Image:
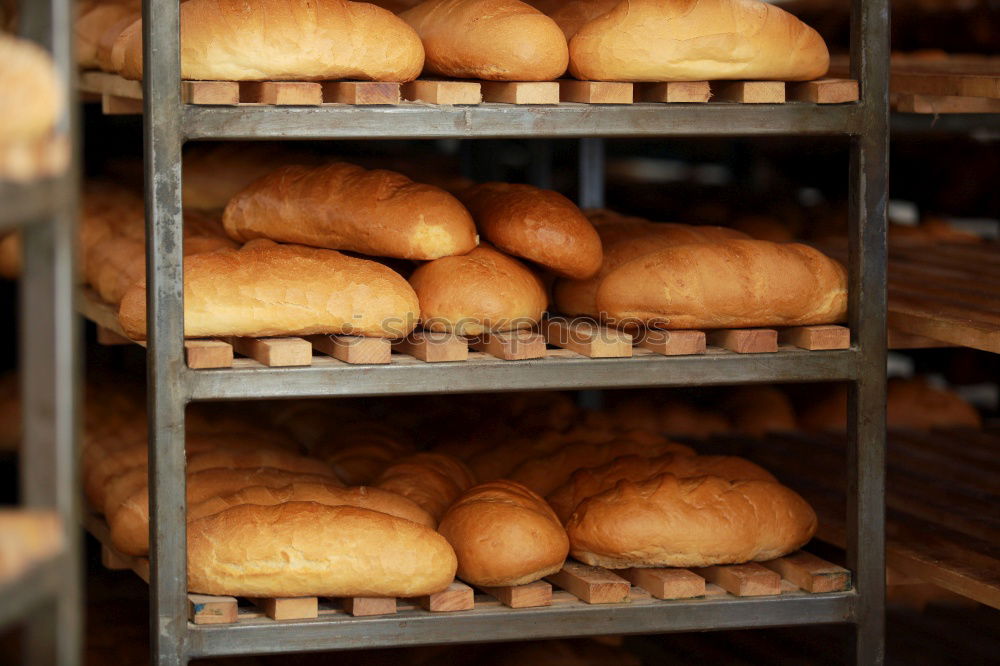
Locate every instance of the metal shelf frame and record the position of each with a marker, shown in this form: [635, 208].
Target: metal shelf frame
[168, 123]
[48, 598]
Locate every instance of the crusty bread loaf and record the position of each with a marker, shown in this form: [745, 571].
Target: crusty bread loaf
[666, 521]
[591, 481]
[696, 40]
[545, 474]
[432, 480]
[109, 37]
[300, 549]
[90, 26]
[571, 15]
[10, 255]
[495, 40]
[249, 40]
[362, 497]
[504, 534]
[539, 225]
[362, 463]
[675, 418]
[735, 283]
[624, 241]
[345, 207]
[266, 289]
[758, 410]
[32, 98]
[482, 291]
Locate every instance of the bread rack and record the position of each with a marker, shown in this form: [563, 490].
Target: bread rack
[169, 122]
[46, 597]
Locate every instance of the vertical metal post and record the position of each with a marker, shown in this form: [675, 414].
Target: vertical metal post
[162, 143]
[591, 173]
[866, 405]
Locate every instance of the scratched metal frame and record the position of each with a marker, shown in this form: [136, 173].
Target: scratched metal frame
[168, 123]
[48, 597]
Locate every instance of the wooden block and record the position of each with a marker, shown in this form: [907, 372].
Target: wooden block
[745, 340]
[521, 92]
[361, 92]
[713, 591]
[282, 93]
[945, 104]
[275, 352]
[113, 560]
[674, 92]
[457, 597]
[593, 585]
[817, 337]
[434, 346]
[950, 84]
[201, 354]
[288, 608]
[666, 583]
[353, 348]
[743, 580]
[365, 606]
[538, 593]
[512, 346]
[823, 91]
[811, 573]
[107, 337]
[210, 92]
[206, 609]
[443, 92]
[112, 105]
[672, 343]
[749, 92]
[595, 92]
[587, 337]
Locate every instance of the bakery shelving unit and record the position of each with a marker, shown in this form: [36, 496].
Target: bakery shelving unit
[46, 597]
[169, 122]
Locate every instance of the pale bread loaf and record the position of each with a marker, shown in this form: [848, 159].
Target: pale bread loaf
[504, 534]
[109, 37]
[32, 98]
[302, 549]
[90, 26]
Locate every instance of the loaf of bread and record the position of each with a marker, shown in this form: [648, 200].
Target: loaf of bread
[571, 15]
[591, 481]
[10, 255]
[27, 537]
[432, 480]
[735, 283]
[758, 410]
[539, 225]
[249, 40]
[667, 521]
[109, 37]
[495, 40]
[266, 289]
[504, 534]
[32, 98]
[697, 40]
[303, 549]
[90, 26]
[482, 291]
[624, 241]
[344, 207]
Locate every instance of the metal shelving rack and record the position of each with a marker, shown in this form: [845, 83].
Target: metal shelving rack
[47, 598]
[169, 123]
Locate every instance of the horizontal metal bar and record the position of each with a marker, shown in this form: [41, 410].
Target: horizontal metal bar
[329, 377]
[342, 632]
[410, 120]
[35, 201]
[26, 592]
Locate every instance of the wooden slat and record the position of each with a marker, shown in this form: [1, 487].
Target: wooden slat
[201, 354]
[109, 338]
[749, 92]
[666, 583]
[510, 346]
[949, 84]
[823, 91]
[672, 343]
[281, 93]
[673, 92]
[743, 580]
[111, 84]
[531, 595]
[362, 93]
[521, 92]
[112, 105]
[745, 340]
[206, 609]
[434, 346]
[275, 352]
[367, 606]
[593, 585]
[957, 329]
[816, 337]
[457, 597]
[587, 338]
[811, 573]
[945, 104]
[225, 93]
[288, 608]
[443, 92]
[353, 349]
[902, 340]
[595, 92]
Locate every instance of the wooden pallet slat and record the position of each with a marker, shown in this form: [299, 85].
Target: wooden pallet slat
[810, 573]
[749, 92]
[816, 338]
[443, 92]
[952, 84]
[275, 352]
[593, 585]
[510, 346]
[530, 595]
[362, 93]
[207, 609]
[113, 105]
[664, 583]
[433, 346]
[595, 92]
[743, 580]
[521, 92]
[456, 597]
[203, 354]
[220, 93]
[368, 606]
[745, 340]
[674, 92]
[281, 93]
[288, 608]
[354, 349]
[587, 338]
[944, 104]
[823, 91]
[673, 343]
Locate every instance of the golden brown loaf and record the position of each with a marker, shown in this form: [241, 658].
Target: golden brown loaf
[482, 291]
[109, 37]
[666, 521]
[266, 289]
[504, 534]
[432, 480]
[496, 40]
[91, 25]
[736, 283]
[344, 207]
[594, 480]
[758, 410]
[571, 15]
[31, 100]
[540, 225]
[301, 549]
[249, 40]
[697, 40]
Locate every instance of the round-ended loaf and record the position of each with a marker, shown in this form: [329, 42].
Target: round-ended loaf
[265, 289]
[345, 207]
[734, 283]
[539, 225]
[504, 534]
[482, 291]
[284, 40]
[697, 40]
[668, 521]
[494, 40]
[432, 480]
[304, 549]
